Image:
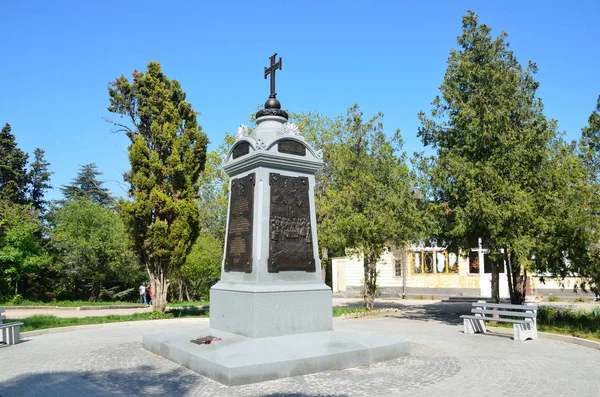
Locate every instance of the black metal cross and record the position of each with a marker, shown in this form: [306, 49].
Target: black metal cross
[271, 71]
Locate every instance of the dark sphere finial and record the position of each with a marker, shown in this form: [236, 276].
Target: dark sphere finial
[272, 103]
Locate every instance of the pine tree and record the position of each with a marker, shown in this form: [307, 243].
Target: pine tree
[86, 185]
[13, 173]
[39, 177]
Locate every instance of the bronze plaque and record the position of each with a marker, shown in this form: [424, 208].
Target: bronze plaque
[290, 237]
[238, 253]
[241, 149]
[291, 147]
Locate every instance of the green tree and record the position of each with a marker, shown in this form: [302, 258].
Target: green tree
[370, 203]
[323, 133]
[590, 144]
[20, 249]
[492, 145]
[92, 248]
[167, 155]
[13, 172]
[86, 185]
[589, 151]
[202, 267]
[39, 177]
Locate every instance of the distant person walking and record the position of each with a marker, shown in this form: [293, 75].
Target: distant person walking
[143, 293]
[149, 289]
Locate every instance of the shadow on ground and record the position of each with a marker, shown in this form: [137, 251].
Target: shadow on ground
[443, 312]
[142, 380]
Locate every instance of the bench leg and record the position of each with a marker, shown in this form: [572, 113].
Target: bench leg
[16, 334]
[474, 326]
[522, 332]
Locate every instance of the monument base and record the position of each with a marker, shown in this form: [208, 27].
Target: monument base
[237, 360]
[260, 311]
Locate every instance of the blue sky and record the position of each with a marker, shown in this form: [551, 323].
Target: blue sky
[59, 56]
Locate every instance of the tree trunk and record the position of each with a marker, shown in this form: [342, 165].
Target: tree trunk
[160, 287]
[495, 282]
[370, 273]
[187, 294]
[326, 267]
[180, 298]
[519, 285]
[516, 283]
[509, 275]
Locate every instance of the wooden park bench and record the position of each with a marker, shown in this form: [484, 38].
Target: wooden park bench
[10, 333]
[522, 317]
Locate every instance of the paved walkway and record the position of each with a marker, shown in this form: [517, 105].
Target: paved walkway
[444, 362]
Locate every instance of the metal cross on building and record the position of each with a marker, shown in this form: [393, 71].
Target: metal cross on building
[271, 71]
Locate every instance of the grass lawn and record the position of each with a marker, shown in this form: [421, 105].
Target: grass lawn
[26, 302]
[44, 321]
[184, 304]
[578, 323]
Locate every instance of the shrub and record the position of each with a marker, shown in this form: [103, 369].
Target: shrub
[157, 315]
[65, 295]
[553, 298]
[579, 299]
[17, 299]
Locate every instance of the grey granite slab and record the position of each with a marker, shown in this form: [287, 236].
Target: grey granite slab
[238, 360]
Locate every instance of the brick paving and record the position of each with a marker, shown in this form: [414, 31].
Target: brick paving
[444, 362]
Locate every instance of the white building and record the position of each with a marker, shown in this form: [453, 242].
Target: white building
[429, 269]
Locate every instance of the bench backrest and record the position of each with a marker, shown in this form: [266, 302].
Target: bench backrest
[527, 312]
[486, 305]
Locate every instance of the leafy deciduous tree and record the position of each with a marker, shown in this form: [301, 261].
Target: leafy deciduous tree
[370, 202]
[20, 249]
[92, 247]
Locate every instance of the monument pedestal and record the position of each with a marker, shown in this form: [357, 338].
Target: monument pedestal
[260, 311]
[238, 360]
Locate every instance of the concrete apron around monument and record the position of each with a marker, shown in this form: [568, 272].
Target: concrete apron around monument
[271, 308]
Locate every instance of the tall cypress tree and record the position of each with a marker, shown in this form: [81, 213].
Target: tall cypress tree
[13, 172]
[167, 155]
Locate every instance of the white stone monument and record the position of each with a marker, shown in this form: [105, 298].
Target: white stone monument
[271, 311]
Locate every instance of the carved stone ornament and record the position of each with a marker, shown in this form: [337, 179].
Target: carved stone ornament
[319, 153]
[290, 128]
[260, 144]
[242, 131]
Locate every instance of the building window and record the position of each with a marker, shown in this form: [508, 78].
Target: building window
[474, 262]
[398, 267]
[428, 261]
[440, 262]
[434, 262]
[452, 263]
[416, 263]
[487, 264]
